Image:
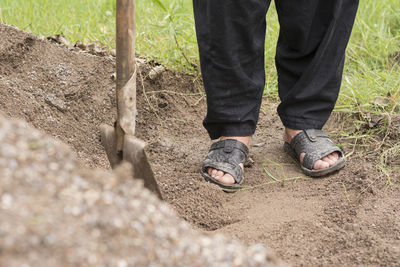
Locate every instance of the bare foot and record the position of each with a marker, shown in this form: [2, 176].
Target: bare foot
[323, 163]
[219, 175]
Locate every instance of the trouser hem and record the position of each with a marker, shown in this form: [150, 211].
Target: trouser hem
[297, 123]
[218, 131]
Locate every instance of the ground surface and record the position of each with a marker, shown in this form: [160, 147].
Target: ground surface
[350, 218]
[54, 212]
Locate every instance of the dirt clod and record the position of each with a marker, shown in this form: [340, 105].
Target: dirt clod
[156, 72]
[54, 101]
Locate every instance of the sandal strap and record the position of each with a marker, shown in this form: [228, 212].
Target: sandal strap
[316, 144]
[228, 145]
[226, 155]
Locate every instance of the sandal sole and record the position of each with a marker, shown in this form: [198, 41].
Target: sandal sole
[226, 188]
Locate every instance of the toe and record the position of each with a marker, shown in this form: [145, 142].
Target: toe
[332, 157]
[320, 164]
[323, 163]
[335, 155]
[219, 174]
[328, 160]
[226, 179]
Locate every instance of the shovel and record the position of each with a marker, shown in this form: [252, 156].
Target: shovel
[119, 141]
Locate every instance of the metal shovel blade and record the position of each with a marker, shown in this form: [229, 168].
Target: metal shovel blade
[133, 152]
[109, 142]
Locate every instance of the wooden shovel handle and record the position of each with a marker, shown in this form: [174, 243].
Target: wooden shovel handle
[126, 69]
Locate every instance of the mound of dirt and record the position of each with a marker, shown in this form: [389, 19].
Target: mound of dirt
[54, 213]
[350, 218]
[63, 93]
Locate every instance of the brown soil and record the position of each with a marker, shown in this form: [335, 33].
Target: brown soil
[349, 218]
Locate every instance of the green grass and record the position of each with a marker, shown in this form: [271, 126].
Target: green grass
[78, 20]
[370, 74]
[165, 33]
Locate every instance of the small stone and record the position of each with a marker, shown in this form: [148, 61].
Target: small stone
[140, 61]
[59, 39]
[249, 163]
[6, 201]
[80, 45]
[258, 145]
[96, 49]
[56, 102]
[156, 72]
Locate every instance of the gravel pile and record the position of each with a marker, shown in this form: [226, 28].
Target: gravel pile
[55, 213]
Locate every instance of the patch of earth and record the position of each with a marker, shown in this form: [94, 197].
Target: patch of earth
[56, 213]
[349, 218]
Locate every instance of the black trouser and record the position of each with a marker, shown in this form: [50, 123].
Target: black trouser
[309, 60]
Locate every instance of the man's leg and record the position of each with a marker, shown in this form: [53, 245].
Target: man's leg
[309, 59]
[231, 36]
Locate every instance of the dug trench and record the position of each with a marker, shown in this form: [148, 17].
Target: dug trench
[349, 218]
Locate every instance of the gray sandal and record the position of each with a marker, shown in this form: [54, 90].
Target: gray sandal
[316, 144]
[226, 155]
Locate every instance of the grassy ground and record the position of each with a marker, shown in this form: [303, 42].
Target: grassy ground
[165, 32]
